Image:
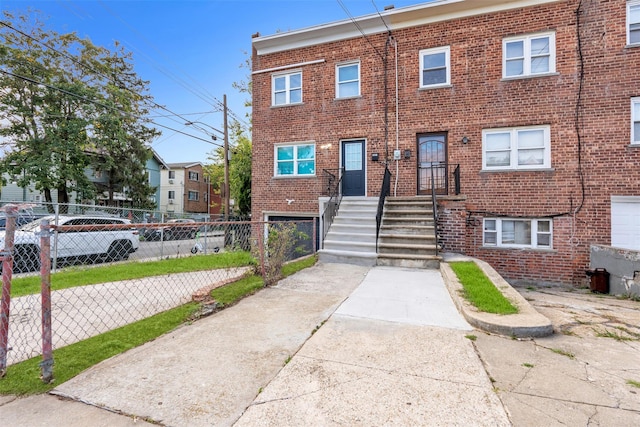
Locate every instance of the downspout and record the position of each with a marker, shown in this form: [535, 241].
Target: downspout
[395, 188]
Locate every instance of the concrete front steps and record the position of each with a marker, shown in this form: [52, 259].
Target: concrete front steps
[408, 234]
[352, 236]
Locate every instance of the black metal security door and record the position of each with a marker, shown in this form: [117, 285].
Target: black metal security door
[432, 154]
[353, 178]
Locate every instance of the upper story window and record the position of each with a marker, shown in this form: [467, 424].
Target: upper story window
[348, 80]
[295, 160]
[635, 120]
[286, 88]
[193, 196]
[633, 22]
[518, 233]
[435, 67]
[171, 194]
[172, 174]
[193, 176]
[529, 55]
[516, 148]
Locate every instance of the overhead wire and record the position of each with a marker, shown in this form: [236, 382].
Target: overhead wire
[83, 98]
[205, 95]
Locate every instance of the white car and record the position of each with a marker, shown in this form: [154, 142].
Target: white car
[94, 241]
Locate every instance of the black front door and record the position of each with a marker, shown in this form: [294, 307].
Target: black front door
[353, 178]
[432, 162]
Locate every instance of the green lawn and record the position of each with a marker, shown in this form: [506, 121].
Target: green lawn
[480, 291]
[85, 275]
[24, 378]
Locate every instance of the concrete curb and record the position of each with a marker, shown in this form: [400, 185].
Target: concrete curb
[527, 323]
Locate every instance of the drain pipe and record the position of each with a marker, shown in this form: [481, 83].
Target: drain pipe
[395, 188]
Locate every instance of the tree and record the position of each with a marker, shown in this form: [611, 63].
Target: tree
[239, 169]
[68, 105]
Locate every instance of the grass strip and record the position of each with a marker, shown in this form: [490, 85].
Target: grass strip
[82, 276]
[229, 294]
[24, 378]
[480, 291]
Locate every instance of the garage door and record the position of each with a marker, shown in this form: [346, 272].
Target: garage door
[625, 222]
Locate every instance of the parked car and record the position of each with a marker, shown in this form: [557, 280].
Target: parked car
[181, 228]
[95, 241]
[21, 219]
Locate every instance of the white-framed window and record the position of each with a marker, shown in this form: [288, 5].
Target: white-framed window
[193, 196]
[348, 80]
[635, 120]
[286, 88]
[171, 194]
[295, 159]
[529, 55]
[518, 233]
[193, 176]
[435, 69]
[633, 22]
[172, 174]
[516, 148]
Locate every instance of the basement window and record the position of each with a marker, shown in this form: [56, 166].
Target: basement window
[517, 233]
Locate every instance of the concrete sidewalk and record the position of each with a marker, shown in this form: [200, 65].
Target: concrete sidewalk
[297, 353]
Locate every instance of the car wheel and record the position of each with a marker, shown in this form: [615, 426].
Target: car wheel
[167, 235]
[192, 234]
[26, 258]
[119, 250]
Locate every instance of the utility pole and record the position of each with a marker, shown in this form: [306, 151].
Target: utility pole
[226, 161]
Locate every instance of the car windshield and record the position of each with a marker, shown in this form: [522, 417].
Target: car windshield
[34, 225]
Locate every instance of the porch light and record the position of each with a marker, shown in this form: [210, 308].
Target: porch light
[465, 140]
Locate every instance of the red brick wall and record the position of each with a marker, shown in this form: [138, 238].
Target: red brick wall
[477, 99]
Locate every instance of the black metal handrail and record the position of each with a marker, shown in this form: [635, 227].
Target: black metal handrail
[456, 178]
[385, 190]
[332, 188]
[434, 208]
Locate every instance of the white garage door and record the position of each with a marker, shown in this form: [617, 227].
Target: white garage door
[625, 222]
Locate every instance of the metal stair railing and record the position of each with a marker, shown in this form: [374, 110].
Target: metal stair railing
[332, 186]
[434, 208]
[385, 190]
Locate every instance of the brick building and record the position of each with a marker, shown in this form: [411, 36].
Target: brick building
[528, 112]
[186, 190]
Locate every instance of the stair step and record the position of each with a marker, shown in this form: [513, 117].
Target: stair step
[347, 257]
[335, 236]
[410, 261]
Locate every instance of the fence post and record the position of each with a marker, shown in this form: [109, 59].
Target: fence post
[7, 271]
[45, 275]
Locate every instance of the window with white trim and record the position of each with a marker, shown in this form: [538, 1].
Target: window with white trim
[172, 174]
[348, 80]
[518, 233]
[529, 55]
[635, 120]
[435, 67]
[193, 196]
[516, 148]
[193, 176]
[633, 22]
[286, 88]
[171, 194]
[295, 160]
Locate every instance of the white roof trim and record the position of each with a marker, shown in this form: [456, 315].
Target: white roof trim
[285, 67]
[405, 17]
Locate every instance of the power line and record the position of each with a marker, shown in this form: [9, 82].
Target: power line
[92, 101]
[154, 104]
[344, 7]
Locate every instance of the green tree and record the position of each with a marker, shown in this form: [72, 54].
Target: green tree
[239, 169]
[68, 106]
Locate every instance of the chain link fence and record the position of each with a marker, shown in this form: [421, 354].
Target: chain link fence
[108, 271]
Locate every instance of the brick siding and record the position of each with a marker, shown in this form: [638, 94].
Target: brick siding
[477, 99]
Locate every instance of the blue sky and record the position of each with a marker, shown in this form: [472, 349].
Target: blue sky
[191, 51]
